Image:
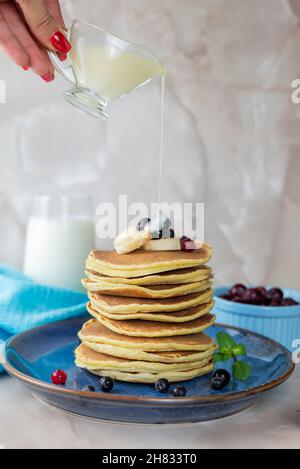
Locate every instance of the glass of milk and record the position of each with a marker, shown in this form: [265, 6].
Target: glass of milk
[60, 234]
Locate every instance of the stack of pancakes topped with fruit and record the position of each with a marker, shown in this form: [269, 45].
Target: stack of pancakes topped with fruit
[149, 309]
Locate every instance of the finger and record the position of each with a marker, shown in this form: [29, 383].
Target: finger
[10, 43]
[43, 26]
[37, 59]
[55, 10]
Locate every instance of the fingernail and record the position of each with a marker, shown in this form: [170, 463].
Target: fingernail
[26, 68]
[62, 56]
[60, 42]
[48, 77]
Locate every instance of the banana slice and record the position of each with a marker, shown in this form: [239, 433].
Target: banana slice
[131, 239]
[170, 244]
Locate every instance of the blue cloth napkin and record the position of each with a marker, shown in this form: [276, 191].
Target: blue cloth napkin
[25, 304]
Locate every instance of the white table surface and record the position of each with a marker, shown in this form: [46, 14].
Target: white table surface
[26, 422]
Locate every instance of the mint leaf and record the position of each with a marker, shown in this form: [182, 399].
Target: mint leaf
[225, 352]
[239, 350]
[241, 370]
[219, 357]
[225, 340]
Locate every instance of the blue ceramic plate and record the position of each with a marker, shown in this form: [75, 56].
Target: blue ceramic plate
[33, 355]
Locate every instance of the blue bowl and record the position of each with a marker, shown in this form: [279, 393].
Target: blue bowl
[280, 323]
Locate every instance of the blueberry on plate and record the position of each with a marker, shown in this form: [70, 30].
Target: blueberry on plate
[162, 385]
[217, 384]
[220, 379]
[106, 384]
[179, 391]
[224, 375]
[142, 223]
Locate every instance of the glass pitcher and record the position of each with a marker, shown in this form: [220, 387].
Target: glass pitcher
[103, 67]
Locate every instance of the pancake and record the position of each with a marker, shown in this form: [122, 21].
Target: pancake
[150, 291]
[162, 357]
[140, 263]
[96, 332]
[183, 315]
[122, 304]
[88, 358]
[171, 376]
[139, 328]
[191, 274]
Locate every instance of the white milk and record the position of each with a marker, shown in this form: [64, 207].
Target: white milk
[56, 250]
[111, 71]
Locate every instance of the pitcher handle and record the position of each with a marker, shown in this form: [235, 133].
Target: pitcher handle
[64, 68]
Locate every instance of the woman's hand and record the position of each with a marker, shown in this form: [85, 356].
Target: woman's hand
[27, 28]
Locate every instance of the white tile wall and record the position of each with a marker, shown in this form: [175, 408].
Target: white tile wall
[232, 133]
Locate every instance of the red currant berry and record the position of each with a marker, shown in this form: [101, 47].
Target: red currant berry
[59, 377]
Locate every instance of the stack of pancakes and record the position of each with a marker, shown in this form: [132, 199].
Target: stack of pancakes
[149, 311]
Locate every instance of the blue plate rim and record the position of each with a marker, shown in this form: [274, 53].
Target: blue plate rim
[257, 390]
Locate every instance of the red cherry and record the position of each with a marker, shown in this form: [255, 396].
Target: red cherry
[237, 290]
[226, 297]
[275, 303]
[59, 377]
[252, 296]
[288, 302]
[275, 294]
[262, 290]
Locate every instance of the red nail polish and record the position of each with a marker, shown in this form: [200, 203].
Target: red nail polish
[48, 77]
[26, 68]
[60, 42]
[62, 56]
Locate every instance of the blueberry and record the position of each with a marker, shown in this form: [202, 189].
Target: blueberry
[162, 385]
[89, 388]
[179, 391]
[165, 233]
[224, 375]
[166, 223]
[157, 234]
[142, 223]
[160, 222]
[106, 384]
[217, 383]
[168, 233]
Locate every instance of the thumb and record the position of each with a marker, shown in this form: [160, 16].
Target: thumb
[43, 26]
